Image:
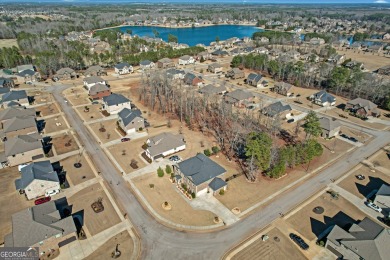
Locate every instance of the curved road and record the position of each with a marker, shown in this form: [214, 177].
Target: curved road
[160, 242]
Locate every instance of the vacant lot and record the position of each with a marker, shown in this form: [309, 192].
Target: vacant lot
[362, 188]
[64, 143]
[127, 151]
[41, 98]
[77, 175]
[92, 114]
[126, 246]
[164, 190]
[336, 212]
[55, 124]
[10, 200]
[79, 99]
[8, 43]
[105, 130]
[371, 61]
[94, 222]
[273, 249]
[47, 110]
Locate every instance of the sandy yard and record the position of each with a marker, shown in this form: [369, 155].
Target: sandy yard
[381, 160]
[109, 133]
[164, 190]
[371, 61]
[42, 98]
[363, 188]
[127, 151]
[10, 200]
[64, 143]
[94, 222]
[126, 246]
[79, 99]
[271, 249]
[47, 110]
[310, 225]
[74, 175]
[93, 113]
[55, 124]
[8, 43]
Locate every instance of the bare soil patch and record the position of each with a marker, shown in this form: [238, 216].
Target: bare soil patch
[47, 110]
[55, 124]
[79, 99]
[77, 175]
[127, 151]
[64, 143]
[92, 114]
[109, 134]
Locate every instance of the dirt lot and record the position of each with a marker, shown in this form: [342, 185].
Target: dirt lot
[64, 143]
[362, 188]
[110, 132]
[75, 175]
[79, 99]
[371, 61]
[163, 191]
[8, 43]
[340, 212]
[10, 200]
[55, 124]
[41, 97]
[47, 110]
[93, 114]
[94, 222]
[132, 149]
[271, 249]
[126, 247]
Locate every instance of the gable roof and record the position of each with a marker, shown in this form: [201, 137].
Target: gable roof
[384, 190]
[165, 60]
[115, 99]
[128, 115]
[93, 69]
[254, 77]
[367, 104]
[329, 124]
[36, 171]
[93, 79]
[283, 86]
[239, 95]
[164, 142]
[22, 143]
[145, 62]
[25, 73]
[21, 68]
[276, 108]
[185, 57]
[217, 183]
[200, 169]
[11, 112]
[122, 65]
[211, 89]
[14, 95]
[324, 96]
[215, 65]
[64, 71]
[18, 123]
[98, 88]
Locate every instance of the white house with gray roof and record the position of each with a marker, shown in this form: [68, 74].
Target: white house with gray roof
[130, 120]
[14, 98]
[38, 179]
[114, 103]
[277, 109]
[23, 149]
[146, 64]
[93, 80]
[123, 68]
[186, 60]
[164, 144]
[200, 174]
[323, 98]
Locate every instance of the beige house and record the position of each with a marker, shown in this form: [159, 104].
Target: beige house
[164, 144]
[215, 68]
[19, 126]
[64, 74]
[23, 149]
[330, 128]
[283, 88]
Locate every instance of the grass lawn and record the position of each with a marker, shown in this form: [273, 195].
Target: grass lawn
[336, 212]
[64, 143]
[126, 246]
[55, 124]
[271, 249]
[10, 200]
[127, 151]
[372, 61]
[94, 222]
[47, 110]
[164, 190]
[109, 134]
[75, 175]
[93, 114]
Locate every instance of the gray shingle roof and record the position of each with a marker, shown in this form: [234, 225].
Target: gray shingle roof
[145, 63]
[18, 123]
[276, 108]
[93, 70]
[25, 73]
[324, 96]
[21, 68]
[363, 103]
[239, 95]
[22, 143]
[329, 124]
[36, 171]
[384, 190]
[115, 99]
[98, 88]
[217, 183]
[165, 60]
[64, 71]
[254, 77]
[122, 65]
[14, 95]
[128, 115]
[12, 112]
[200, 169]
[211, 89]
[164, 142]
[93, 79]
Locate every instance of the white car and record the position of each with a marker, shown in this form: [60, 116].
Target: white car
[50, 193]
[374, 207]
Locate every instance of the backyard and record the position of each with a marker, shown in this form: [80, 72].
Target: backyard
[92, 113]
[47, 109]
[64, 143]
[125, 152]
[77, 175]
[55, 124]
[106, 130]
[79, 99]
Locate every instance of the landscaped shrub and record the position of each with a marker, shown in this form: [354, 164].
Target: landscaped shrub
[160, 172]
[207, 152]
[184, 186]
[215, 149]
[221, 192]
[151, 185]
[168, 169]
[193, 195]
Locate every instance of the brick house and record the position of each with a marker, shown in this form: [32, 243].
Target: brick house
[98, 91]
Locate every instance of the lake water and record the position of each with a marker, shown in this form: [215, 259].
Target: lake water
[193, 36]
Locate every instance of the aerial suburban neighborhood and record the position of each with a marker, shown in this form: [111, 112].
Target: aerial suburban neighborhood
[195, 130]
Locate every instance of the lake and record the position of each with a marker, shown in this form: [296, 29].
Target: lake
[193, 36]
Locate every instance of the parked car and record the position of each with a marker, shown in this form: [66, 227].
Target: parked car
[344, 136]
[353, 139]
[385, 221]
[290, 120]
[42, 200]
[374, 207]
[51, 193]
[174, 158]
[300, 242]
[360, 177]
[125, 139]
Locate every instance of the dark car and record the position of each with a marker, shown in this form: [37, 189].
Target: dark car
[385, 221]
[360, 177]
[344, 136]
[290, 120]
[299, 241]
[353, 139]
[42, 200]
[125, 139]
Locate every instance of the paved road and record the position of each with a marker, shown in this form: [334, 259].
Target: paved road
[160, 242]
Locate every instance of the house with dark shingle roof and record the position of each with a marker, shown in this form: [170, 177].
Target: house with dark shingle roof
[363, 107]
[164, 144]
[28, 76]
[238, 97]
[130, 120]
[382, 198]
[277, 109]
[14, 98]
[283, 88]
[95, 71]
[330, 127]
[23, 149]
[256, 80]
[123, 68]
[114, 103]
[19, 125]
[323, 98]
[192, 80]
[146, 64]
[6, 83]
[212, 90]
[38, 179]
[41, 226]
[12, 112]
[198, 173]
[366, 240]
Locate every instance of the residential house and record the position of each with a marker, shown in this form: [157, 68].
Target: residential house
[277, 109]
[64, 74]
[14, 98]
[363, 108]
[356, 46]
[28, 76]
[337, 59]
[193, 80]
[38, 179]
[198, 173]
[256, 80]
[92, 80]
[95, 71]
[98, 91]
[220, 53]
[330, 127]
[213, 90]
[19, 125]
[386, 36]
[382, 198]
[114, 103]
[130, 120]
[283, 88]
[175, 74]
[12, 112]
[354, 64]
[123, 68]
[323, 98]
[165, 63]
[23, 149]
[317, 41]
[261, 50]
[42, 226]
[215, 68]
[375, 48]
[146, 64]
[186, 60]
[6, 83]
[235, 73]
[238, 97]
[366, 240]
[163, 145]
[205, 55]
[21, 68]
